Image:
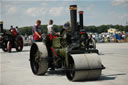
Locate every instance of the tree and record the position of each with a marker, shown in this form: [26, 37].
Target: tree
[26, 30]
[57, 28]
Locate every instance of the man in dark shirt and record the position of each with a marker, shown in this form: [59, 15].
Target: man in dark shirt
[36, 30]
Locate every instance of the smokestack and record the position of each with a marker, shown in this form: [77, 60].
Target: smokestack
[1, 26]
[81, 19]
[73, 14]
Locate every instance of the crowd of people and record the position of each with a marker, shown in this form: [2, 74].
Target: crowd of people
[110, 37]
[120, 36]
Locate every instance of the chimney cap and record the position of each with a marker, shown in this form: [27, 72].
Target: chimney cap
[73, 7]
[1, 22]
[81, 12]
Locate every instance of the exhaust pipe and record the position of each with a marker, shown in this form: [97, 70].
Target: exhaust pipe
[81, 19]
[73, 15]
[1, 27]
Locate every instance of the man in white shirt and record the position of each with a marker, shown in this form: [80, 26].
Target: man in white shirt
[50, 27]
[49, 43]
[17, 29]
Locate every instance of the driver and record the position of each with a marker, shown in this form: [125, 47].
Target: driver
[13, 31]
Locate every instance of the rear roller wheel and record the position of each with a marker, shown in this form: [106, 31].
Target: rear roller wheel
[9, 46]
[91, 44]
[4, 47]
[84, 67]
[38, 58]
[19, 43]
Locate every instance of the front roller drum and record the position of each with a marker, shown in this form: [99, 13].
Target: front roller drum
[39, 58]
[84, 67]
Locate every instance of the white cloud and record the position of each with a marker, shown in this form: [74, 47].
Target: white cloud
[120, 16]
[8, 9]
[0, 12]
[69, 0]
[56, 11]
[124, 16]
[40, 0]
[120, 2]
[44, 4]
[88, 8]
[12, 10]
[36, 11]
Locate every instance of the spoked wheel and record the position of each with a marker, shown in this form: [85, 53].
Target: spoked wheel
[4, 47]
[70, 71]
[91, 43]
[9, 46]
[38, 62]
[19, 43]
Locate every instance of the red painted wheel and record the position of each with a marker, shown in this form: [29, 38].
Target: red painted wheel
[4, 46]
[9, 46]
[19, 43]
[5, 49]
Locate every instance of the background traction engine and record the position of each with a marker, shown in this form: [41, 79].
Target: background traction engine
[8, 41]
[74, 52]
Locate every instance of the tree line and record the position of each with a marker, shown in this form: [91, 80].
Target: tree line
[57, 28]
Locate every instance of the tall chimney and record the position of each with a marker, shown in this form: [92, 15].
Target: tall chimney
[73, 14]
[1, 26]
[81, 19]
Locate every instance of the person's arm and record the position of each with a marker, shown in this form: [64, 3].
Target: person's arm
[52, 30]
[37, 34]
[34, 30]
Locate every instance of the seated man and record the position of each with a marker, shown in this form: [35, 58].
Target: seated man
[66, 26]
[13, 32]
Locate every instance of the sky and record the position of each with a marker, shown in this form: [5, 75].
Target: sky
[96, 12]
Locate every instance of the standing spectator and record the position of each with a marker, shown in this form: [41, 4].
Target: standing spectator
[116, 37]
[50, 27]
[124, 37]
[25, 37]
[30, 39]
[119, 37]
[17, 29]
[50, 33]
[36, 30]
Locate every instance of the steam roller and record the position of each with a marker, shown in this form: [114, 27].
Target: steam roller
[73, 50]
